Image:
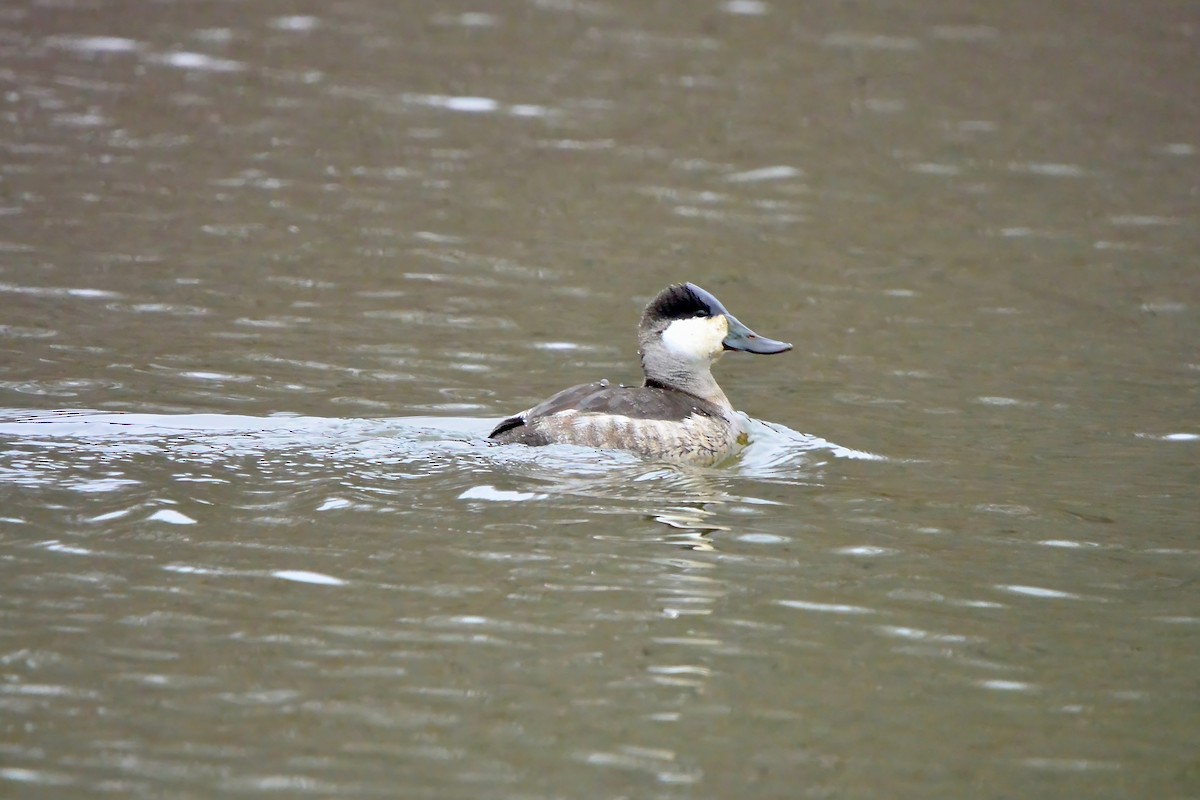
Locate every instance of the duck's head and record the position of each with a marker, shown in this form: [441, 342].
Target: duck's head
[690, 326]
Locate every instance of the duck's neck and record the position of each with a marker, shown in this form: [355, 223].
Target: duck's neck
[696, 381]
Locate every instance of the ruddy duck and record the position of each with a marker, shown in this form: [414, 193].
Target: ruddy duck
[679, 413]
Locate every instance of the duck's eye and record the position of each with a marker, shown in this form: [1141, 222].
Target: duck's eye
[702, 313]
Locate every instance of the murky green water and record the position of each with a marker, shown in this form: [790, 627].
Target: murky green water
[268, 274]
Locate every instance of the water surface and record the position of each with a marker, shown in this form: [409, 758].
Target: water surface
[268, 274]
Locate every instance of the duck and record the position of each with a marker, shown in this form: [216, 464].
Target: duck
[679, 414]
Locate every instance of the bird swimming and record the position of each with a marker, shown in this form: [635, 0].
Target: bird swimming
[679, 413]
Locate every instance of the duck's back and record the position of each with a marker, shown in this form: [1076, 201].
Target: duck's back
[657, 422]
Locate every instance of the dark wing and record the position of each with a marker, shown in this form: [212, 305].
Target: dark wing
[638, 402]
[515, 429]
[645, 402]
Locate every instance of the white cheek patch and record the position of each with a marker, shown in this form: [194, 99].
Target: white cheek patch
[696, 339]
